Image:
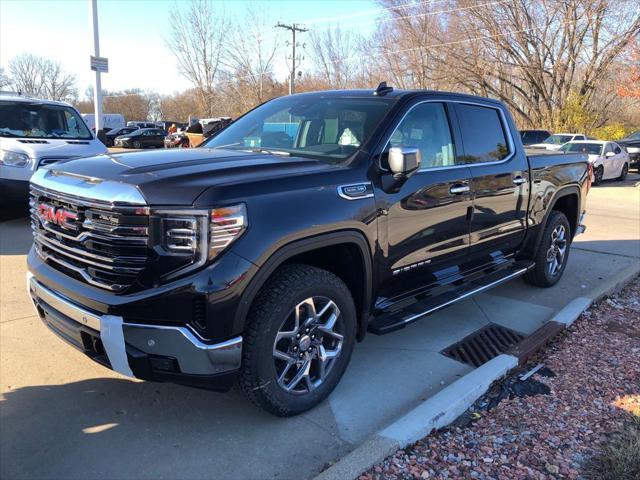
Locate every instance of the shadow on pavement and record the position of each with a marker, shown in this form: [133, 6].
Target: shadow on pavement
[112, 428]
[15, 236]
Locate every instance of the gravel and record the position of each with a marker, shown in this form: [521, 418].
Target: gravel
[553, 423]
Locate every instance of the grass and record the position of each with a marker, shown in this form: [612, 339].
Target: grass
[620, 458]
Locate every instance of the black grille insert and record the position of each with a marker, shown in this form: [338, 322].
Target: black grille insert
[483, 345]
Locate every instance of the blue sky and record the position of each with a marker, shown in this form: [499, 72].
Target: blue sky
[133, 32]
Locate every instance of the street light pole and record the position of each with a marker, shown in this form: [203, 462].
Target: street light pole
[97, 92]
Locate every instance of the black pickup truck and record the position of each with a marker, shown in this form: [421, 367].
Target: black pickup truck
[263, 256]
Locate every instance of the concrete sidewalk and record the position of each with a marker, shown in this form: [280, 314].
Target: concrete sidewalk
[62, 416]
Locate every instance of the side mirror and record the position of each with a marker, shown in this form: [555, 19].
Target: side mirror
[609, 154]
[403, 161]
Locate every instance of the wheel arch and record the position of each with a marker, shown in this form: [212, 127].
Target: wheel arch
[353, 266]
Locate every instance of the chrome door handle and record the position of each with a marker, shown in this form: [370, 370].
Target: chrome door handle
[519, 181]
[457, 189]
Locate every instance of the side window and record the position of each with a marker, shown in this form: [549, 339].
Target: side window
[483, 134]
[426, 127]
[617, 149]
[608, 149]
[579, 137]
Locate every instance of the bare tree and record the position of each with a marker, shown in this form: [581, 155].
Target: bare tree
[41, 77]
[197, 37]
[248, 57]
[335, 54]
[5, 81]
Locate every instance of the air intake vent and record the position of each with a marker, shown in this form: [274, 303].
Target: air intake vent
[76, 142]
[33, 141]
[199, 314]
[483, 345]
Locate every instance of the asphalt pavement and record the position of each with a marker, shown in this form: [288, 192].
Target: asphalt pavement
[63, 416]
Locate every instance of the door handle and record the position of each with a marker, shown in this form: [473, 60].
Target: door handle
[519, 180]
[458, 188]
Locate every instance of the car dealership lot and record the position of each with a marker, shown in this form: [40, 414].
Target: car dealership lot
[63, 416]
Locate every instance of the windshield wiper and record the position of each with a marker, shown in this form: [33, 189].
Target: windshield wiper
[271, 152]
[7, 134]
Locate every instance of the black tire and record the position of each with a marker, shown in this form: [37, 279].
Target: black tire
[137, 144]
[270, 313]
[541, 275]
[623, 173]
[598, 173]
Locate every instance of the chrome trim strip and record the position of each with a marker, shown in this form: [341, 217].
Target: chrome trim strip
[56, 301]
[466, 295]
[93, 191]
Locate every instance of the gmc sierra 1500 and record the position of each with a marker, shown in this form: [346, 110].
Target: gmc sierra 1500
[264, 255]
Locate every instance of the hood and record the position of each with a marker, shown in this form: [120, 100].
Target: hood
[38, 148]
[179, 176]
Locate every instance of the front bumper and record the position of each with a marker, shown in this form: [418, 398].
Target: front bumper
[148, 352]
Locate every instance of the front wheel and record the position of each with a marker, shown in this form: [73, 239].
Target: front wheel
[300, 335]
[598, 175]
[553, 252]
[623, 173]
[137, 144]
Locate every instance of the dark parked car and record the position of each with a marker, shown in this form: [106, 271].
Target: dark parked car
[142, 138]
[264, 256]
[529, 137]
[632, 146]
[116, 132]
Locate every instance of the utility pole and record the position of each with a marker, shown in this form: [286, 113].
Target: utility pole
[293, 28]
[99, 65]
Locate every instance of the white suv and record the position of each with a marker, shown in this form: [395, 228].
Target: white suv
[557, 140]
[35, 132]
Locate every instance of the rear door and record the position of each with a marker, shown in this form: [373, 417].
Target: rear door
[425, 232]
[500, 182]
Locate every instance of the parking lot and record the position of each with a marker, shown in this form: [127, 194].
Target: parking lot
[62, 416]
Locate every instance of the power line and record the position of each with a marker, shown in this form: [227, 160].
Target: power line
[293, 28]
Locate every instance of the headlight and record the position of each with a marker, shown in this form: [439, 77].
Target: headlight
[124, 138]
[188, 239]
[14, 159]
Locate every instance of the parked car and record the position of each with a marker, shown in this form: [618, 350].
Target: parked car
[36, 132]
[142, 124]
[632, 145]
[118, 132]
[609, 160]
[555, 141]
[529, 137]
[264, 255]
[141, 138]
[109, 121]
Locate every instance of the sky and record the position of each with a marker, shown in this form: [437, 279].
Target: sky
[133, 34]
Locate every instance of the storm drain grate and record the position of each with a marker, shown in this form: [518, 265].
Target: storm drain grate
[483, 345]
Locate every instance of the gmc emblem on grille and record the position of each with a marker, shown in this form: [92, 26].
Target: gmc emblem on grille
[57, 216]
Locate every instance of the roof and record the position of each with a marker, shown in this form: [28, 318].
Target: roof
[565, 133]
[599, 142]
[395, 94]
[26, 99]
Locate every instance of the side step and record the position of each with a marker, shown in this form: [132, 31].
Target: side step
[392, 321]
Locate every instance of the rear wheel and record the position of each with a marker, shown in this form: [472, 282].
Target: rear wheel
[598, 174]
[553, 252]
[137, 144]
[623, 173]
[299, 340]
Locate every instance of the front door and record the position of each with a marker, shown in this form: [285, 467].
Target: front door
[424, 235]
[500, 183]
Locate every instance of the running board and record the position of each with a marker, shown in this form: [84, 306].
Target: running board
[389, 322]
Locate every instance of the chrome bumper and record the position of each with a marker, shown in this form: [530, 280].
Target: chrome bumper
[194, 356]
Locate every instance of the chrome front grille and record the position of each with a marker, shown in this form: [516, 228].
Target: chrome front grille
[96, 242]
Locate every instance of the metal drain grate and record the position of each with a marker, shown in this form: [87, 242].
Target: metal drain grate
[483, 345]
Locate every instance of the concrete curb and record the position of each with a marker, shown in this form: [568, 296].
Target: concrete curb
[448, 404]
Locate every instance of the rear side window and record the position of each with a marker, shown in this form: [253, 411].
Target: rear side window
[483, 135]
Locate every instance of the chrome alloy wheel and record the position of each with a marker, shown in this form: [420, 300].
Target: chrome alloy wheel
[557, 250]
[307, 345]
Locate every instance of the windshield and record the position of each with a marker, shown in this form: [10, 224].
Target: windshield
[558, 139]
[329, 129]
[35, 120]
[635, 135]
[588, 148]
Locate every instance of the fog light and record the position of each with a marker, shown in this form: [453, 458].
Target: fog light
[164, 364]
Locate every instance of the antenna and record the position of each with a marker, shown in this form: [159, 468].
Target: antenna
[383, 89]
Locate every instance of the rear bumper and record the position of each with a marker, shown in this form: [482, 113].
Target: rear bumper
[148, 352]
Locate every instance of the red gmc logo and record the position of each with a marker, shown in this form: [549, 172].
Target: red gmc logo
[57, 216]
